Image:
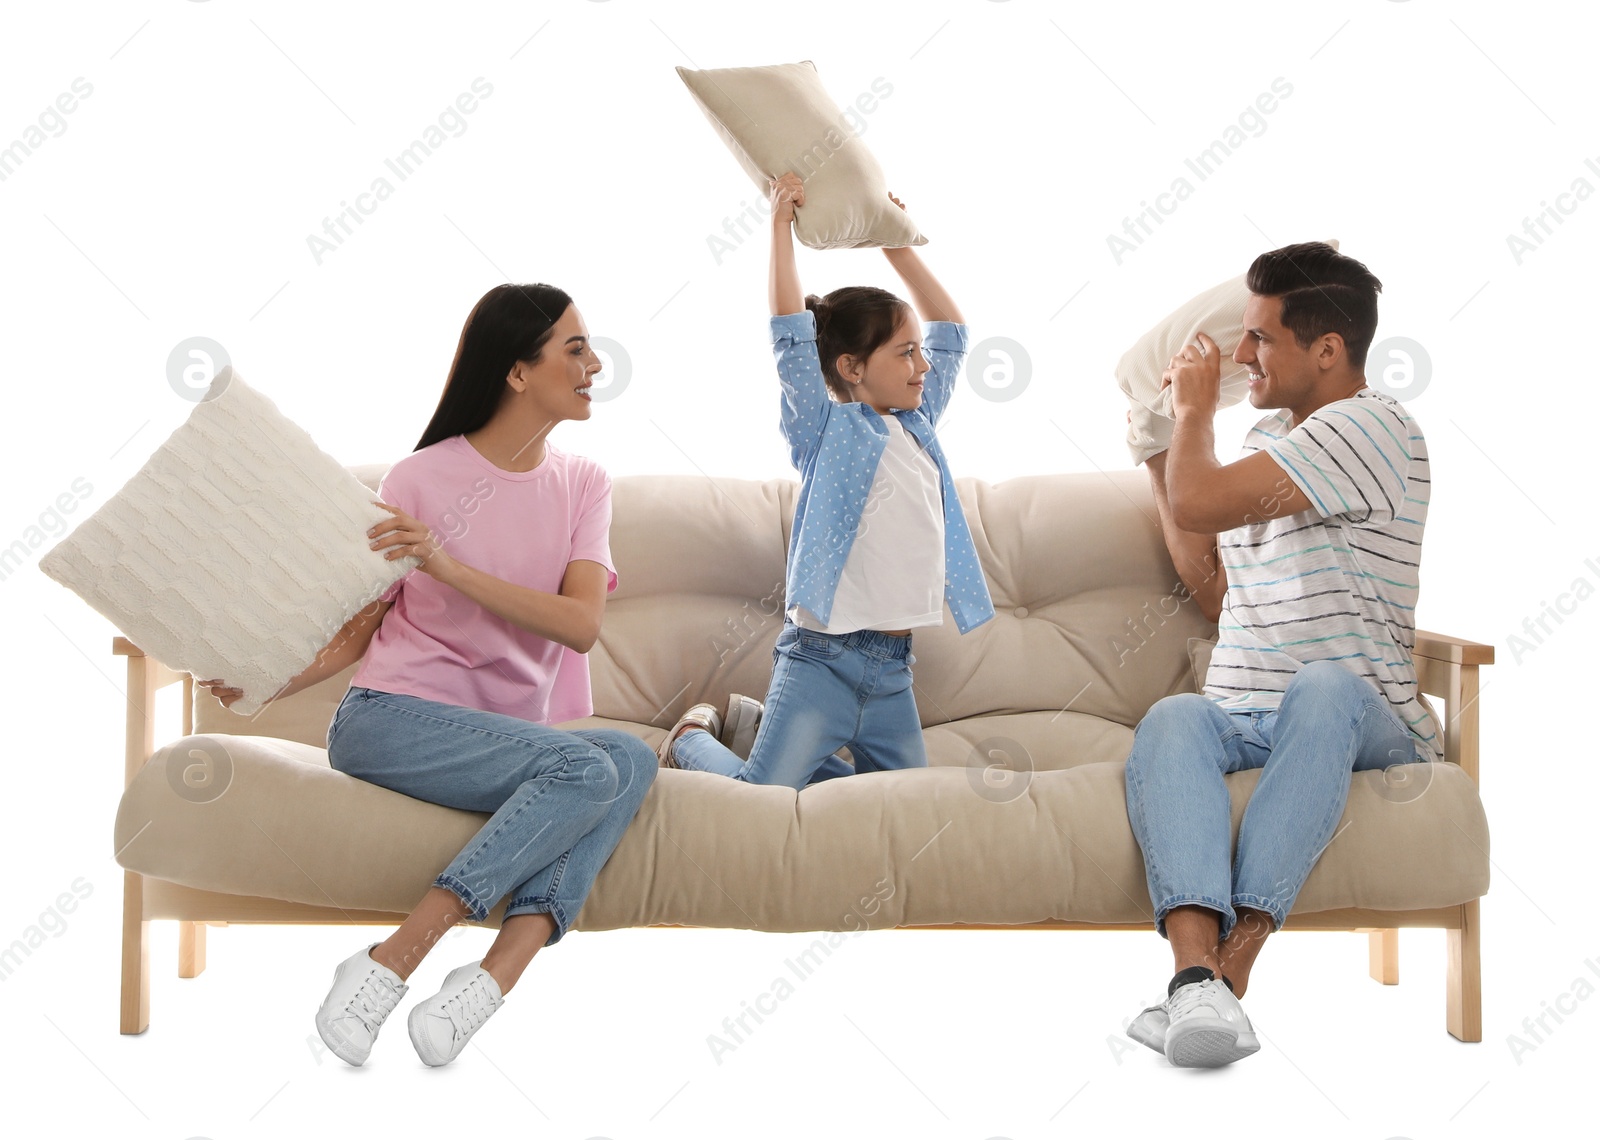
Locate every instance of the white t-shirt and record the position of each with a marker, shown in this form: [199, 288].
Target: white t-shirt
[1337, 582]
[893, 577]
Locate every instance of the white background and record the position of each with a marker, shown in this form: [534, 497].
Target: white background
[218, 136]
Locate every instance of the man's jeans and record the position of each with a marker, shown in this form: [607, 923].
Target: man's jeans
[560, 800]
[1330, 723]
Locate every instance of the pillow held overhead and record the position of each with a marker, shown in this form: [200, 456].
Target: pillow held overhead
[238, 551]
[780, 118]
[1219, 313]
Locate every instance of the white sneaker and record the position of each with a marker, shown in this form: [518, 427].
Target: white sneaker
[364, 994]
[1206, 1027]
[1150, 1028]
[441, 1026]
[739, 724]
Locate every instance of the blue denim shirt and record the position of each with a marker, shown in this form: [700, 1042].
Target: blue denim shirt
[836, 448]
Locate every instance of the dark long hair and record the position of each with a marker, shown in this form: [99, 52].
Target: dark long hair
[509, 323]
[856, 320]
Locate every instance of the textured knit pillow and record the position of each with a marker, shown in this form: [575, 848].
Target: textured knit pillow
[780, 119]
[238, 551]
[1219, 313]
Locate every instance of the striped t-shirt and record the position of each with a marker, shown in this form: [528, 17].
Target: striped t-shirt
[1337, 582]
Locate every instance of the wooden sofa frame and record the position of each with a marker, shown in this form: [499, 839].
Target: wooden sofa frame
[1447, 667]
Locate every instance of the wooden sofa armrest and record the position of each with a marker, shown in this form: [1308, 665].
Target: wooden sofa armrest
[1447, 667]
[146, 677]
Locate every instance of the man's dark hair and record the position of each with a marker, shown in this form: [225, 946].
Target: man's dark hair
[1322, 291]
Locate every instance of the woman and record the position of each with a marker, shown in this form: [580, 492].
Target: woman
[465, 665]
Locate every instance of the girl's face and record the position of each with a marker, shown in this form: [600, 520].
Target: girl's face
[891, 378]
[557, 384]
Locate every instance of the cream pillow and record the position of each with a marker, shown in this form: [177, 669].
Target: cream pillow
[779, 119]
[238, 551]
[1219, 313]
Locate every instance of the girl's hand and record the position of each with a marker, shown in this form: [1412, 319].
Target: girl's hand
[787, 192]
[897, 201]
[403, 535]
[222, 691]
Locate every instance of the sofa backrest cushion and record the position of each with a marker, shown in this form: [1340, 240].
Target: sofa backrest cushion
[1089, 614]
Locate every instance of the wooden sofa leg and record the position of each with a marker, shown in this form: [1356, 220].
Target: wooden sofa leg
[1463, 999]
[191, 949]
[135, 956]
[1383, 956]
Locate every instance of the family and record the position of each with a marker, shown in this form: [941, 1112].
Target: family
[1304, 551]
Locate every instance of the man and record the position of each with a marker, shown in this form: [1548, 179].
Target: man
[1305, 553]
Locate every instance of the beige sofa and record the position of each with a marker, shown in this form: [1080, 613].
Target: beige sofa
[1019, 820]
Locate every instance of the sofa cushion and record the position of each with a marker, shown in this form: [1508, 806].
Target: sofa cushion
[1094, 627]
[236, 552]
[779, 119]
[273, 820]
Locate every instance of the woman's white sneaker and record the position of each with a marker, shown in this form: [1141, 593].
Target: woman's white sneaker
[441, 1026]
[364, 994]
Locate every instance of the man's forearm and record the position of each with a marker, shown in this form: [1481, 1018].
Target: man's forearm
[1194, 556]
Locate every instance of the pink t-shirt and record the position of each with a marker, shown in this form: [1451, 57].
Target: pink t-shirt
[520, 526]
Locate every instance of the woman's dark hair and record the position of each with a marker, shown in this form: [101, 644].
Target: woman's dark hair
[854, 321]
[1322, 291]
[509, 323]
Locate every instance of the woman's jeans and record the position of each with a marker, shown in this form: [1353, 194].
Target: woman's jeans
[828, 690]
[1330, 723]
[561, 800]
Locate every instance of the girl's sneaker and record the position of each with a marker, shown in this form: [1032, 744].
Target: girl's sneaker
[364, 994]
[698, 716]
[739, 724]
[441, 1026]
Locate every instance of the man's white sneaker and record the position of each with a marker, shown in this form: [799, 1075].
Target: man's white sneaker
[1206, 1026]
[441, 1026]
[1150, 1028]
[364, 994]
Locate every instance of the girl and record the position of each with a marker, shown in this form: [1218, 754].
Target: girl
[879, 541]
[466, 664]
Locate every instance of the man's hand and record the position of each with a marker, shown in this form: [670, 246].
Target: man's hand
[1195, 376]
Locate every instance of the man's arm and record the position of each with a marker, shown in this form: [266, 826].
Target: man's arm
[1194, 555]
[1207, 497]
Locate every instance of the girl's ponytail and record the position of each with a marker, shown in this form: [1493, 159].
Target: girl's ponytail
[854, 321]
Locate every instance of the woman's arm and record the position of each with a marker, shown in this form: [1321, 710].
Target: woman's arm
[784, 294]
[570, 618]
[348, 646]
[929, 297]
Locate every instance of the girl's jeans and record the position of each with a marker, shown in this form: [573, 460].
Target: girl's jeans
[1330, 723]
[560, 800]
[828, 690]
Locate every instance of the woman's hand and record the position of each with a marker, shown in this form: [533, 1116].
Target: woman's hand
[403, 535]
[787, 192]
[224, 692]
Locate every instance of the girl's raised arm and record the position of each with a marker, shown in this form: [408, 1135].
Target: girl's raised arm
[932, 302]
[783, 283]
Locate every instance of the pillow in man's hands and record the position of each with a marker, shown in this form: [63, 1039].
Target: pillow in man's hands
[780, 119]
[1219, 313]
[237, 552]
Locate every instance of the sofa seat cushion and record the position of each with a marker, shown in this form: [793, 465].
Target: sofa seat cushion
[266, 817]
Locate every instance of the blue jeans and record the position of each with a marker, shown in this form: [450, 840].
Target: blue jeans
[561, 800]
[1330, 723]
[828, 690]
